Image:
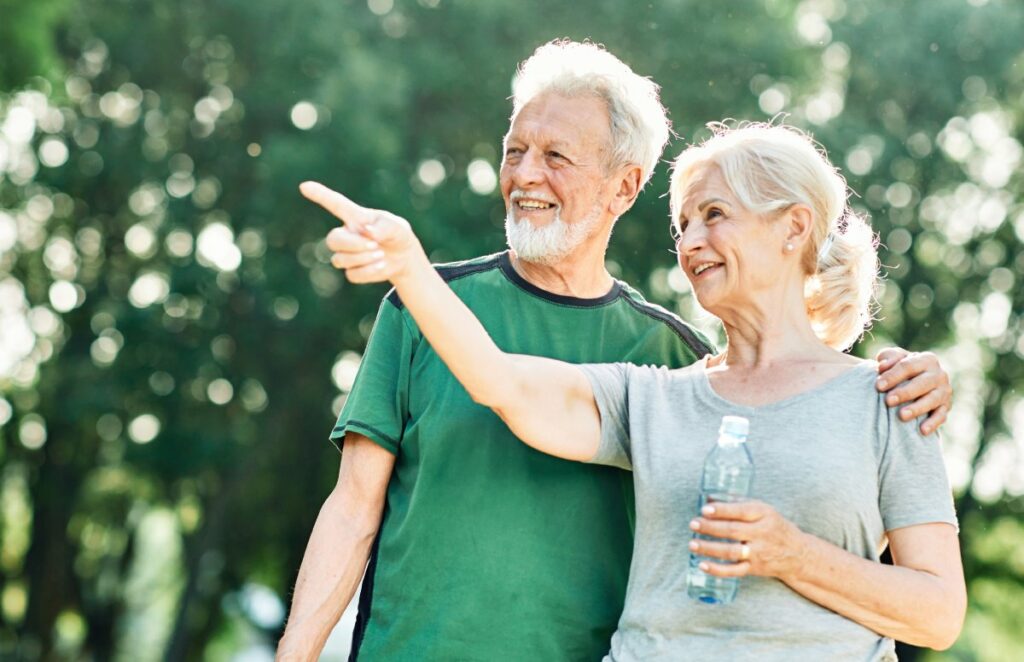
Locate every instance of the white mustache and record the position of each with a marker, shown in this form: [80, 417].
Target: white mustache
[519, 194]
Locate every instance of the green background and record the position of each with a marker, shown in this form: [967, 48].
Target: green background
[174, 344]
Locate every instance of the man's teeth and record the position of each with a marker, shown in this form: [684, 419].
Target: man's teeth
[534, 204]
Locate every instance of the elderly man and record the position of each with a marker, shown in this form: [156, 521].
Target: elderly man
[479, 547]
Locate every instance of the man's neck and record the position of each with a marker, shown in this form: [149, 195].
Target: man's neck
[581, 275]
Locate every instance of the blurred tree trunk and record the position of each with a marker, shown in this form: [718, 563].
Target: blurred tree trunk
[208, 538]
[49, 565]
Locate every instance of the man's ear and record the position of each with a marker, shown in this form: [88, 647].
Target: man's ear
[630, 180]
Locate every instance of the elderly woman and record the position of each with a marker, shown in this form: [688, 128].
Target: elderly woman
[767, 240]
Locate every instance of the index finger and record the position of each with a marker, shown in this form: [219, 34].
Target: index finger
[889, 357]
[743, 511]
[344, 209]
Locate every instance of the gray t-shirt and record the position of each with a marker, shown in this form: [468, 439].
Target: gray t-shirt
[834, 460]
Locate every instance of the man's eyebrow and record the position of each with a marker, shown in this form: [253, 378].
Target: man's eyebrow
[707, 202]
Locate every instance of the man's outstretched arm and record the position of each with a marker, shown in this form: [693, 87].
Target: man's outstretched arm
[338, 548]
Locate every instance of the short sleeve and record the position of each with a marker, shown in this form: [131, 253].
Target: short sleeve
[609, 382]
[377, 407]
[914, 488]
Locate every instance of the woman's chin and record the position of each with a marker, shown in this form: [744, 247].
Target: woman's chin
[707, 300]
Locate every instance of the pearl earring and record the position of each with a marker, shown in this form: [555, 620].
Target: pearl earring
[789, 247]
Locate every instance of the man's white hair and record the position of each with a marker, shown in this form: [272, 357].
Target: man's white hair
[639, 125]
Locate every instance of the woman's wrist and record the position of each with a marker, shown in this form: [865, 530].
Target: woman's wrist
[802, 555]
[416, 266]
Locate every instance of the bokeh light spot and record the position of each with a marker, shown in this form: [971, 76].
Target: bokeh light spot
[304, 115]
[220, 391]
[482, 178]
[144, 429]
[32, 431]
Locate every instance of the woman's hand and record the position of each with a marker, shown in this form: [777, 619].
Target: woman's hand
[371, 245]
[767, 544]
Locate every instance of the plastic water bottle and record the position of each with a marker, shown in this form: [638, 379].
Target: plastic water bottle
[728, 475]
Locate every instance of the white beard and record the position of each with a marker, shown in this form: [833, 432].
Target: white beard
[550, 243]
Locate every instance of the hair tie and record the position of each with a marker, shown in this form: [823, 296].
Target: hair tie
[825, 246]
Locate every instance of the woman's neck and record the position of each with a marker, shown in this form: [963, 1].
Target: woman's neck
[760, 336]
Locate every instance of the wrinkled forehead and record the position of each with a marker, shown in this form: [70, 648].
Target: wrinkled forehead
[572, 121]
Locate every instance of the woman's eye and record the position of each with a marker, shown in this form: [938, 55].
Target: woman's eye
[714, 212]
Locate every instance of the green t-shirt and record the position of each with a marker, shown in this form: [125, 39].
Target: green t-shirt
[488, 549]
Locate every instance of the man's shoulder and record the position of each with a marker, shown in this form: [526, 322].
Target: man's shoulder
[664, 320]
[454, 271]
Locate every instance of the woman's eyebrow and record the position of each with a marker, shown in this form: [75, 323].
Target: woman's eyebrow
[707, 202]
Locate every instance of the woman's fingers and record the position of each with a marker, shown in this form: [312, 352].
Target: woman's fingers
[349, 261]
[726, 570]
[344, 209]
[342, 239]
[727, 551]
[374, 272]
[750, 510]
[729, 529]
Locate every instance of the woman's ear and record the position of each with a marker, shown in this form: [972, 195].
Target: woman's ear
[630, 181]
[799, 221]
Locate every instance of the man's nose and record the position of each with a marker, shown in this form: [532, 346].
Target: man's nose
[529, 171]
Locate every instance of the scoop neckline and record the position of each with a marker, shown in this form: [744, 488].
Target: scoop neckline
[705, 383]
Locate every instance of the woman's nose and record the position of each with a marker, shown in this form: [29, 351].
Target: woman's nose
[691, 240]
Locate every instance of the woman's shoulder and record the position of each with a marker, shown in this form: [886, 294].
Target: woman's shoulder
[660, 373]
[889, 424]
[652, 379]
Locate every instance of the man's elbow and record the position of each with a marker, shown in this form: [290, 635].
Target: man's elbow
[360, 518]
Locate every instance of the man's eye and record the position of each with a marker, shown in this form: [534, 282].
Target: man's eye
[513, 151]
[555, 155]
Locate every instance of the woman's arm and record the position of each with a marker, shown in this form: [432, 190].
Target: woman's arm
[920, 600]
[548, 404]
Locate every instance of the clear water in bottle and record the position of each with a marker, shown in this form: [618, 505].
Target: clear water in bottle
[728, 476]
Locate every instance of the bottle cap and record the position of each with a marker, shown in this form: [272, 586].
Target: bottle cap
[736, 426]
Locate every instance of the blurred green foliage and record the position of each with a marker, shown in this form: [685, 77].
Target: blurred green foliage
[174, 343]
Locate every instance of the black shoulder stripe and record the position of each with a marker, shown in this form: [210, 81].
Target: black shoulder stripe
[452, 272]
[365, 604]
[699, 347]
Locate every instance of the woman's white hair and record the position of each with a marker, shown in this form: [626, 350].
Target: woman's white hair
[639, 125]
[771, 167]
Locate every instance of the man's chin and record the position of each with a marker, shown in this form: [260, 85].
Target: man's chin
[535, 221]
[546, 260]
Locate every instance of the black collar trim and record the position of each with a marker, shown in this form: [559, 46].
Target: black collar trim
[505, 263]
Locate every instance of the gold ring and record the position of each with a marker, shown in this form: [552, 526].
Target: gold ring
[744, 552]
